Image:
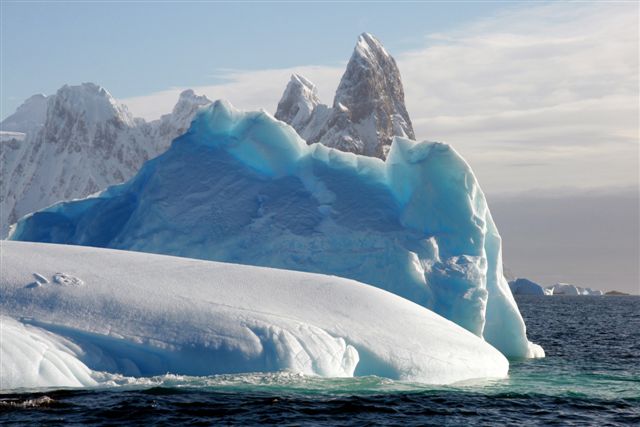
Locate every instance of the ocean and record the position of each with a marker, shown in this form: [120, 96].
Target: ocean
[591, 376]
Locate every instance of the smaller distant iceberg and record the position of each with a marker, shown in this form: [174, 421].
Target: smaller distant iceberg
[523, 286]
[569, 289]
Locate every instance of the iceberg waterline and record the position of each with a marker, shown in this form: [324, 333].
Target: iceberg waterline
[143, 314]
[243, 187]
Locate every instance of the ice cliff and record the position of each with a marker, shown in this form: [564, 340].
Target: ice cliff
[243, 187]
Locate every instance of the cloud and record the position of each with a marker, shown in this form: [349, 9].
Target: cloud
[555, 83]
[552, 58]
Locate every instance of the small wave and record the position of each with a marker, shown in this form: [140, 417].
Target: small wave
[29, 403]
[284, 380]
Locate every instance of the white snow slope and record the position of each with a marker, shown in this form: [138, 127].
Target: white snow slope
[243, 187]
[70, 311]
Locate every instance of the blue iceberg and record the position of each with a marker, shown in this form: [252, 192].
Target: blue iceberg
[242, 187]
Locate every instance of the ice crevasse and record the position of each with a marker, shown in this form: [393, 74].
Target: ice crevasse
[242, 187]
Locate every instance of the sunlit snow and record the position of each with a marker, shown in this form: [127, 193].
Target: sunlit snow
[99, 310]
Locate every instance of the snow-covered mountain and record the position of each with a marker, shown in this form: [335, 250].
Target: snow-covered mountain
[368, 109]
[84, 142]
[243, 187]
[28, 117]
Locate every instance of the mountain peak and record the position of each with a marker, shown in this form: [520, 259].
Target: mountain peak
[368, 109]
[299, 100]
[369, 47]
[29, 116]
[188, 102]
[89, 102]
[38, 97]
[299, 79]
[173, 124]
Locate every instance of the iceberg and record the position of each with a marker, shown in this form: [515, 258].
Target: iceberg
[72, 314]
[569, 289]
[242, 187]
[523, 286]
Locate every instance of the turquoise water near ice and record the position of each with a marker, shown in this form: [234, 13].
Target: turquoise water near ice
[591, 376]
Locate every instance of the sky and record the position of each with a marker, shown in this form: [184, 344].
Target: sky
[540, 97]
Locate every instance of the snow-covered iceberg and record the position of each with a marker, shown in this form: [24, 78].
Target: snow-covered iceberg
[69, 313]
[243, 187]
[573, 290]
[522, 286]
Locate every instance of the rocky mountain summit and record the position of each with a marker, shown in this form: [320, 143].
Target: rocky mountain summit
[298, 102]
[368, 108]
[77, 142]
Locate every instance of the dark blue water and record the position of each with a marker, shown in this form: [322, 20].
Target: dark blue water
[591, 376]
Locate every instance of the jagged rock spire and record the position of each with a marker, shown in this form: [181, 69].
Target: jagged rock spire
[299, 100]
[368, 109]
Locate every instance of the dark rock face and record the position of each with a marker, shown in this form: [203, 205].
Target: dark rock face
[368, 109]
